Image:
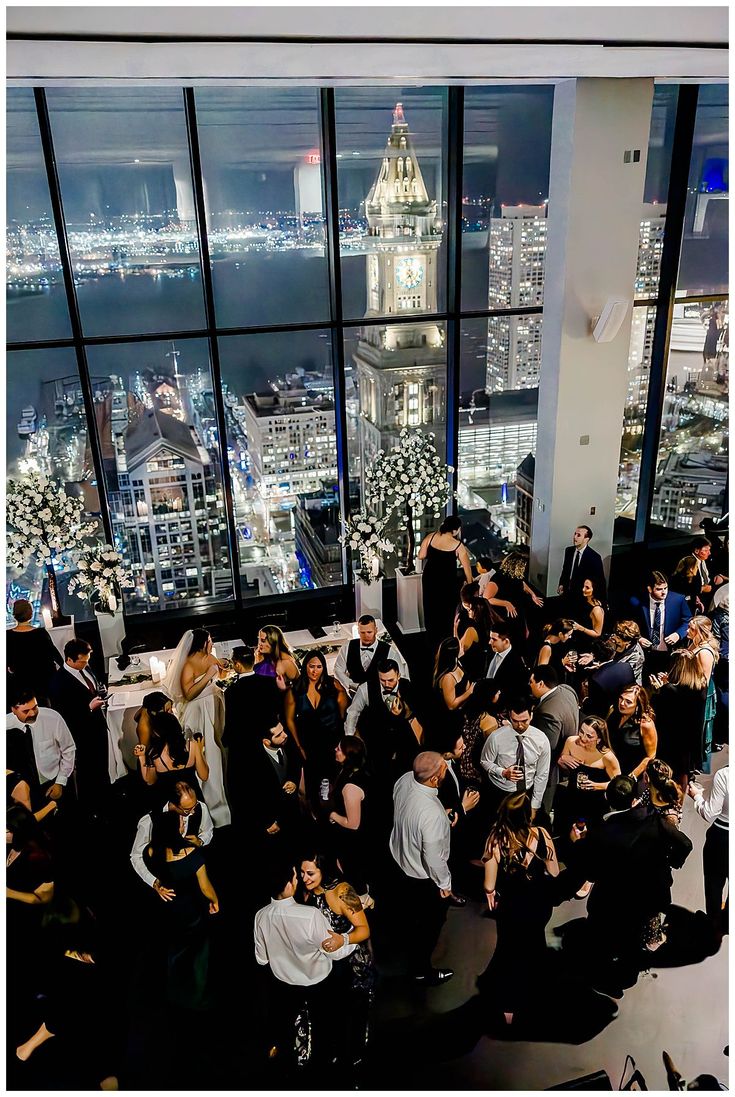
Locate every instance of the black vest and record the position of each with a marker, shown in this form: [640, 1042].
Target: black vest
[390, 743]
[354, 665]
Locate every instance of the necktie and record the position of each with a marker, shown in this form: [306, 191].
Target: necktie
[88, 681]
[31, 769]
[280, 757]
[656, 626]
[575, 562]
[704, 573]
[521, 761]
[493, 666]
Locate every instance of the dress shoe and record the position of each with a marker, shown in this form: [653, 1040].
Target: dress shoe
[435, 977]
[457, 900]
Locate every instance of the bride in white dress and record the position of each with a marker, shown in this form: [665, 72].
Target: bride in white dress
[200, 706]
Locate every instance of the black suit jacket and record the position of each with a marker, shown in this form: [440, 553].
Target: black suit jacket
[605, 685]
[589, 567]
[71, 699]
[266, 801]
[512, 676]
[252, 707]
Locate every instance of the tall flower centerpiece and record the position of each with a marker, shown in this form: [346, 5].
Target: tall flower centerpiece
[42, 523]
[411, 480]
[100, 578]
[363, 533]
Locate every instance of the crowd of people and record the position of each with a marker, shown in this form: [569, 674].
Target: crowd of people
[518, 763]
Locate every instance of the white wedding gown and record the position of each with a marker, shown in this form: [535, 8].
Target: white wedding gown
[206, 713]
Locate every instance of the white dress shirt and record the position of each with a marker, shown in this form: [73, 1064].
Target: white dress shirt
[497, 660]
[715, 808]
[359, 702]
[288, 936]
[703, 572]
[421, 832]
[87, 678]
[366, 655]
[53, 746]
[652, 603]
[145, 831]
[499, 753]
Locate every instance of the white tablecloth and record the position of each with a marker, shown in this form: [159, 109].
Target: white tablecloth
[126, 697]
[302, 638]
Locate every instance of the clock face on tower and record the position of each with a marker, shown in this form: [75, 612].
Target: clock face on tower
[409, 272]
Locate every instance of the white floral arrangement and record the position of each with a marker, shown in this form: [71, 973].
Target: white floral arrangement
[410, 479]
[42, 521]
[101, 577]
[363, 533]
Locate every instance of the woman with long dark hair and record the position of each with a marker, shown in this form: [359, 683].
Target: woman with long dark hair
[475, 639]
[589, 627]
[153, 703]
[169, 758]
[326, 887]
[179, 865]
[441, 552]
[451, 685]
[685, 580]
[555, 645]
[314, 712]
[199, 704]
[350, 815]
[520, 860]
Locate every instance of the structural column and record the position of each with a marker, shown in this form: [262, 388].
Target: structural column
[598, 168]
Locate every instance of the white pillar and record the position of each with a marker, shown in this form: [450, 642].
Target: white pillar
[595, 206]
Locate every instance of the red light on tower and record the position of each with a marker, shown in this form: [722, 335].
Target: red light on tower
[398, 118]
[313, 158]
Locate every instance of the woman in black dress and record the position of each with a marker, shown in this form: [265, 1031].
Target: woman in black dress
[556, 644]
[324, 886]
[678, 706]
[180, 866]
[350, 815]
[441, 552]
[30, 655]
[520, 860]
[452, 686]
[591, 621]
[315, 710]
[685, 580]
[475, 640]
[169, 758]
[509, 591]
[632, 731]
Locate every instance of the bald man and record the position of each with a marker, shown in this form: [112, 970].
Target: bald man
[419, 844]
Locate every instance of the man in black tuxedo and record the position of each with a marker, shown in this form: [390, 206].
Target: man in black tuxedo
[459, 802]
[507, 670]
[252, 706]
[272, 803]
[78, 697]
[580, 562]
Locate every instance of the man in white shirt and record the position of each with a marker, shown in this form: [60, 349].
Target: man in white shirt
[715, 809]
[195, 823]
[419, 844]
[359, 659]
[39, 746]
[517, 757]
[297, 943]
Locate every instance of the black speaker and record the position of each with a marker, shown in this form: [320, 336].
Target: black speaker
[599, 1079]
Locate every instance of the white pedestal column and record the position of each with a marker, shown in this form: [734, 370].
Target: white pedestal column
[369, 598]
[595, 211]
[112, 632]
[410, 601]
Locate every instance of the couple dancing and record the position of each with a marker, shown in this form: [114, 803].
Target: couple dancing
[200, 707]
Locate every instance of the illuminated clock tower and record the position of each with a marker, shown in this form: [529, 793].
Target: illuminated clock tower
[401, 368]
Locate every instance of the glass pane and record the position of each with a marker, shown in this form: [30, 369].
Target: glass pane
[391, 177]
[282, 451]
[46, 432]
[395, 377]
[634, 417]
[123, 161]
[658, 170]
[498, 416]
[35, 298]
[703, 267]
[265, 214]
[157, 427]
[691, 473]
[507, 150]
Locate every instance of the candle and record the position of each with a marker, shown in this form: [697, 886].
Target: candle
[46, 614]
[113, 602]
[156, 668]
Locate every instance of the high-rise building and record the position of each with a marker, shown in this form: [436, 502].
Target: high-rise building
[317, 529]
[401, 368]
[517, 260]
